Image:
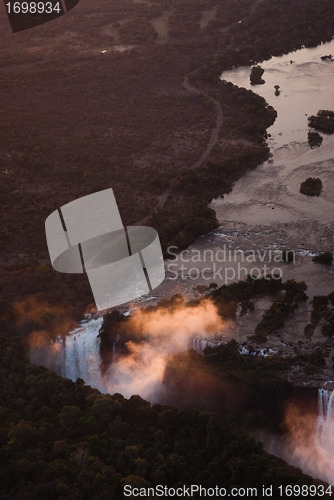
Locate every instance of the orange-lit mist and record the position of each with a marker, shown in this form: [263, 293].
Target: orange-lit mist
[166, 332]
[49, 320]
[305, 445]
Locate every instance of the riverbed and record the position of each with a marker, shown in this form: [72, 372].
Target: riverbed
[264, 214]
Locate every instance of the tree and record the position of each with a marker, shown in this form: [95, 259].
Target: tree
[256, 75]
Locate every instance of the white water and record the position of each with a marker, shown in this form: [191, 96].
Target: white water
[325, 432]
[81, 353]
[268, 203]
[309, 444]
[199, 344]
[76, 355]
[316, 457]
[265, 209]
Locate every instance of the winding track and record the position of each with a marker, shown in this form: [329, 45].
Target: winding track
[213, 138]
[215, 133]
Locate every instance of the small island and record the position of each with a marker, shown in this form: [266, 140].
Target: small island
[314, 139]
[256, 75]
[323, 121]
[311, 187]
[323, 258]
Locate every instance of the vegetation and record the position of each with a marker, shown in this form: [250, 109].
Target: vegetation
[314, 139]
[253, 390]
[321, 312]
[312, 362]
[323, 258]
[274, 318]
[256, 75]
[324, 121]
[137, 30]
[311, 187]
[137, 129]
[227, 297]
[61, 439]
[75, 121]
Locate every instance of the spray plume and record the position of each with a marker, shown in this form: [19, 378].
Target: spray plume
[165, 332]
[309, 442]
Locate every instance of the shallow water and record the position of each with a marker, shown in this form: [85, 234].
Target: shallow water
[264, 212]
[306, 86]
[265, 209]
[270, 194]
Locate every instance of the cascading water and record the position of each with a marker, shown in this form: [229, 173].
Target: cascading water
[76, 355]
[133, 367]
[325, 425]
[81, 353]
[310, 443]
[199, 344]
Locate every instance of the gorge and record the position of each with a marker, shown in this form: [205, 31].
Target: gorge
[261, 210]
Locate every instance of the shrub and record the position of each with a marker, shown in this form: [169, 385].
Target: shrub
[324, 121]
[314, 139]
[311, 187]
[256, 75]
[323, 258]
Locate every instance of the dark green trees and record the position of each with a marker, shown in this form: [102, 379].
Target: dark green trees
[324, 121]
[311, 187]
[314, 139]
[256, 75]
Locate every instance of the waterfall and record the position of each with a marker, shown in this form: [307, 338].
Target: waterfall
[81, 353]
[76, 355]
[309, 442]
[325, 422]
[313, 446]
[114, 344]
[199, 344]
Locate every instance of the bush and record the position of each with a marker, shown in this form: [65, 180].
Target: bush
[324, 121]
[314, 139]
[311, 187]
[256, 75]
[323, 258]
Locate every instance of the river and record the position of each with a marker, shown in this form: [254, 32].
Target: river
[265, 209]
[263, 214]
[270, 194]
